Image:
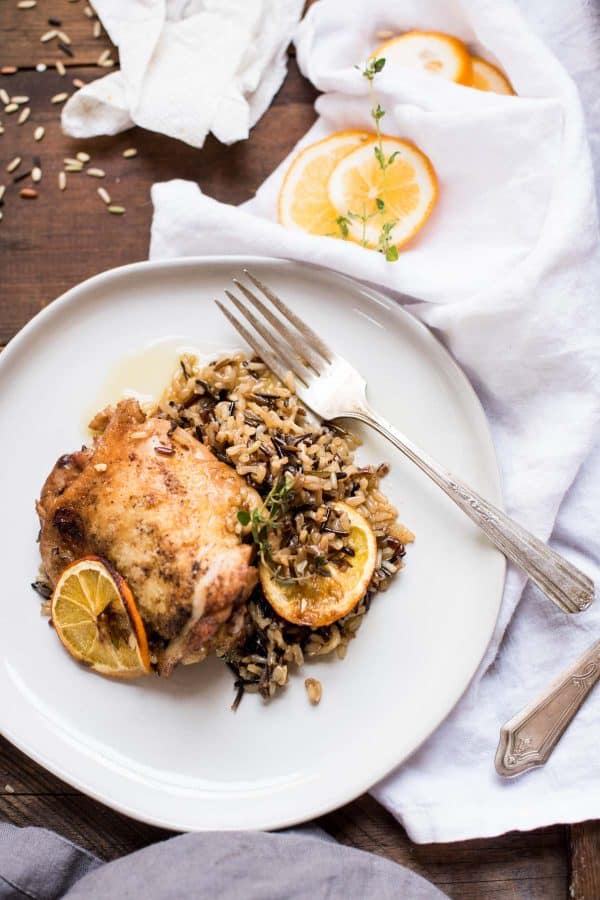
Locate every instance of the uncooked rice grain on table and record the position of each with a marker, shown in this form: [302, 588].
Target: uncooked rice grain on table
[256, 424]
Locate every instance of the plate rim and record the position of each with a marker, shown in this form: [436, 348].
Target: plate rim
[70, 297]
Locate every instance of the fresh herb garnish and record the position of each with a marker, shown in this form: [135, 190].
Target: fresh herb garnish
[385, 243]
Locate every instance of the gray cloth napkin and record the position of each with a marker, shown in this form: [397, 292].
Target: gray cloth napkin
[302, 865]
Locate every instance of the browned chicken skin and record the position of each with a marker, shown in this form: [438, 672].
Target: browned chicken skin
[158, 505]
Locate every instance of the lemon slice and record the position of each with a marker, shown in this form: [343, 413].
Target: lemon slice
[431, 51]
[303, 199]
[95, 616]
[325, 599]
[408, 189]
[487, 77]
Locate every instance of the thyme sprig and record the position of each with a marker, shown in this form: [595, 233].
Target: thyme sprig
[267, 518]
[385, 243]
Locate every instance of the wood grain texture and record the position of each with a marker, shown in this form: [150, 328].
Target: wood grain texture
[585, 861]
[49, 244]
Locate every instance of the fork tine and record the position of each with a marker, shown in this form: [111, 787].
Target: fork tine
[263, 352]
[289, 359]
[307, 333]
[304, 353]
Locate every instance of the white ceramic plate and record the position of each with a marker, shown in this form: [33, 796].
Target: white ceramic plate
[171, 752]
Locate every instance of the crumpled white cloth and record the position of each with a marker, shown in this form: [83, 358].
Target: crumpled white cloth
[508, 270]
[188, 67]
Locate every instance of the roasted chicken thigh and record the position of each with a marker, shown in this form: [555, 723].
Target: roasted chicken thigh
[161, 508]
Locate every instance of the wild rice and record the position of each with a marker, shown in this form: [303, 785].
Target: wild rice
[39, 133]
[255, 423]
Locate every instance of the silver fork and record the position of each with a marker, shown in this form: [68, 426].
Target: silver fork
[333, 389]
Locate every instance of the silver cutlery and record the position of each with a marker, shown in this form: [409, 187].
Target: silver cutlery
[528, 739]
[332, 388]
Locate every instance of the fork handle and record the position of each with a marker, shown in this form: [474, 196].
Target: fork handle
[560, 581]
[528, 739]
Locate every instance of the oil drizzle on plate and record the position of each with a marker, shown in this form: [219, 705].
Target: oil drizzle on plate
[146, 372]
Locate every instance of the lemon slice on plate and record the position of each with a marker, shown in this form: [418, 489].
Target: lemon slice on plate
[303, 199]
[325, 599]
[95, 616]
[431, 51]
[487, 77]
[407, 188]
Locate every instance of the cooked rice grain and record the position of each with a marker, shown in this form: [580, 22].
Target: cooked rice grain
[256, 423]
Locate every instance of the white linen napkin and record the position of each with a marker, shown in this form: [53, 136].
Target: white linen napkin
[508, 271]
[187, 67]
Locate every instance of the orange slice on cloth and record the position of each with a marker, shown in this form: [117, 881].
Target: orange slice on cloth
[401, 198]
[325, 599]
[430, 51]
[95, 616]
[303, 200]
[487, 77]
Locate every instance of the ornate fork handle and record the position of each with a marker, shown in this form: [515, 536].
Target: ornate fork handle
[562, 582]
[528, 739]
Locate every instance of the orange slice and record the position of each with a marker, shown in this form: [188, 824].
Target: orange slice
[303, 199]
[325, 599]
[431, 51]
[95, 616]
[358, 186]
[487, 77]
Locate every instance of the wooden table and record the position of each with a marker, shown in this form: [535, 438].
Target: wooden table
[49, 244]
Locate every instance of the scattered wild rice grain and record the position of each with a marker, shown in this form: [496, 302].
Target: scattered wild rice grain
[89, 12]
[14, 164]
[62, 181]
[70, 161]
[36, 174]
[26, 4]
[28, 193]
[101, 467]
[130, 153]
[63, 37]
[60, 67]
[4, 97]
[56, 22]
[22, 176]
[48, 36]
[1, 129]
[2, 190]
[74, 167]
[41, 67]
[314, 690]
[105, 196]
[20, 99]
[24, 115]
[11, 108]
[39, 133]
[97, 29]
[107, 64]
[117, 210]
[83, 157]
[8, 70]
[95, 173]
[59, 98]
[9, 789]
[1, 215]
[65, 48]
[78, 83]
[103, 57]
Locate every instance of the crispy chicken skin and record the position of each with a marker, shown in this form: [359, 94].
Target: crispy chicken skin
[160, 507]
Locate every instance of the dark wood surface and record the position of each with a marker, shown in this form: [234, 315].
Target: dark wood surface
[57, 240]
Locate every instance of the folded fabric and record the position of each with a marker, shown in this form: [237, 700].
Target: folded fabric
[297, 865]
[507, 270]
[187, 68]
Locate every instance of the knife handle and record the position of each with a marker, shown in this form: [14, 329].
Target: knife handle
[528, 739]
